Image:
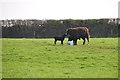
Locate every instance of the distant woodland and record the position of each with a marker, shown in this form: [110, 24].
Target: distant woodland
[33, 28]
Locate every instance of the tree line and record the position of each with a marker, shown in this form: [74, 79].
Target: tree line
[50, 28]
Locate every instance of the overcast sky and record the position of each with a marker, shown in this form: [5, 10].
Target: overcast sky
[58, 9]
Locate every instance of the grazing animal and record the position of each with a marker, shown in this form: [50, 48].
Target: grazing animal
[59, 39]
[77, 33]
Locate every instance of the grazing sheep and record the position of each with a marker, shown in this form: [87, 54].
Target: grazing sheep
[59, 39]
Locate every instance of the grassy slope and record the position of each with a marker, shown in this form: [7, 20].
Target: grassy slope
[41, 58]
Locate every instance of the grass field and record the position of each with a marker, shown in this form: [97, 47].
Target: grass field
[40, 58]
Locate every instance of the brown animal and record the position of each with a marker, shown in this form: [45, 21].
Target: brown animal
[77, 33]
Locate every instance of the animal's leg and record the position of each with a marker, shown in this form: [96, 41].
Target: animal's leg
[61, 41]
[75, 42]
[55, 41]
[88, 39]
[84, 41]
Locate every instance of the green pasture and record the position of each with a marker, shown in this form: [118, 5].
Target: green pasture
[40, 58]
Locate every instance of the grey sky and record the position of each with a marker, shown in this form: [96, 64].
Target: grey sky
[58, 9]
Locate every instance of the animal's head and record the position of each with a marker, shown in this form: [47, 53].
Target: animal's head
[67, 33]
[70, 38]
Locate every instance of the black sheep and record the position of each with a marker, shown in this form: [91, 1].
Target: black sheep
[61, 38]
